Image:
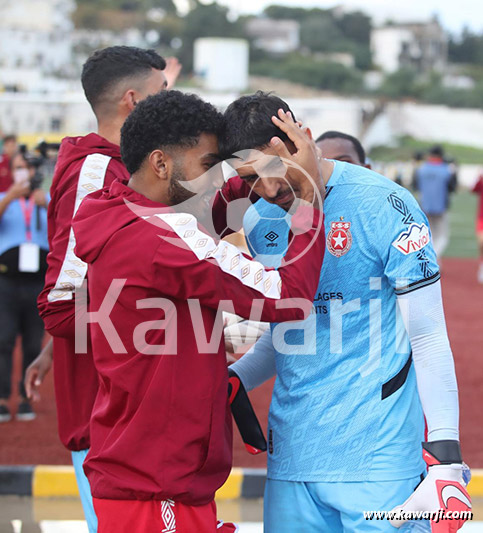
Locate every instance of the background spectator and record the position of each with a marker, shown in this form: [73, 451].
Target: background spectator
[9, 148]
[435, 179]
[23, 252]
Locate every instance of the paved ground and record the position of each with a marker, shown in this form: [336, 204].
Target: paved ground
[25, 515]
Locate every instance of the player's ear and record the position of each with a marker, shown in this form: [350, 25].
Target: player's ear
[130, 99]
[160, 164]
[308, 132]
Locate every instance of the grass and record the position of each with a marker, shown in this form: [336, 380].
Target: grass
[462, 222]
[408, 146]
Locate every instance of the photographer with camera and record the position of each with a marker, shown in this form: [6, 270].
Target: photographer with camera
[23, 254]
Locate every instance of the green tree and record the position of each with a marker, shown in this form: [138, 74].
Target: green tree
[355, 26]
[294, 13]
[307, 71]
[322, 31]
[131, 5]
[401, 83]
[466, 49]
[169, 28]
[320, 34]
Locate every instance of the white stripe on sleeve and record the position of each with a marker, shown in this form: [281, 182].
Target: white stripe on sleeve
[73, 271]
[227, 256]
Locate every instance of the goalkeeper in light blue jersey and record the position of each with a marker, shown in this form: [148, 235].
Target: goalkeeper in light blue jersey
[357, 378]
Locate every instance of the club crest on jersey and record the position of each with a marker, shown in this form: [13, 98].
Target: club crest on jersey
[339, 238]
[413, 239]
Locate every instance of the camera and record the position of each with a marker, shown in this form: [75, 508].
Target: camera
[39, 162]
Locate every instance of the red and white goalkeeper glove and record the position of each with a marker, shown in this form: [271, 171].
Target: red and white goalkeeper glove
[441, 492]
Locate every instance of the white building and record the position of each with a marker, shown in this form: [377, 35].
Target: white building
[342, 58]
[221, 64]
[85, 42]
[423, 46]
[274, 36]
[35, 37]
[42, 114]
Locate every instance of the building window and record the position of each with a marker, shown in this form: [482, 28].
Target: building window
[55, 124]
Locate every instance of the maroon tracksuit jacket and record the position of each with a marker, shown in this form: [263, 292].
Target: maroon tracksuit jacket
[161, 426]
[85, 164]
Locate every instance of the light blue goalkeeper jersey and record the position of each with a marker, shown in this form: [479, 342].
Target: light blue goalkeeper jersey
[345, 405]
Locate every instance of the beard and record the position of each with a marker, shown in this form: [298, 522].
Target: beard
[176, 191]
[185, 201]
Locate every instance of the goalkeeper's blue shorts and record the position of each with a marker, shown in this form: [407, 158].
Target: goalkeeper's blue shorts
[292, 507]
[84, 490]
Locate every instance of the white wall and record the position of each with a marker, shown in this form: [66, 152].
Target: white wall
[435, 123]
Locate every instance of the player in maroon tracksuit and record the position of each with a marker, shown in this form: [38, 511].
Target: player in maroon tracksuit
[75, 377]
[114, 80]
[161, 428]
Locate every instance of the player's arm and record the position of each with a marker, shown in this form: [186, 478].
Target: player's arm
[422, 311]
[411, 267]
[444, 486]
[37, 370]
[220, 276]
[65, 271]
[257, 365]
[56, 301]
[234, 189]
[172, 71]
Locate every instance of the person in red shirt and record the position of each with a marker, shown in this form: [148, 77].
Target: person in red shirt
[478, 189]
[9, 149]
[114, 79]
[161, 439]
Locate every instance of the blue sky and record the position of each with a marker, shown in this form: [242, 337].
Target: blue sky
[454, 14]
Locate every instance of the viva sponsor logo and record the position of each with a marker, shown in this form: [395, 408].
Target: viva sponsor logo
[415, 238]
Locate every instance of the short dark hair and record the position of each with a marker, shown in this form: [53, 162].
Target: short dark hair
[361, 153]
[248, 122]
[108, 66]
[25, 155]
[169, 118]
[436, 151]
[9, 138]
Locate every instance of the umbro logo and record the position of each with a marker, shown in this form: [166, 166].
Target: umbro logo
[271, 236]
